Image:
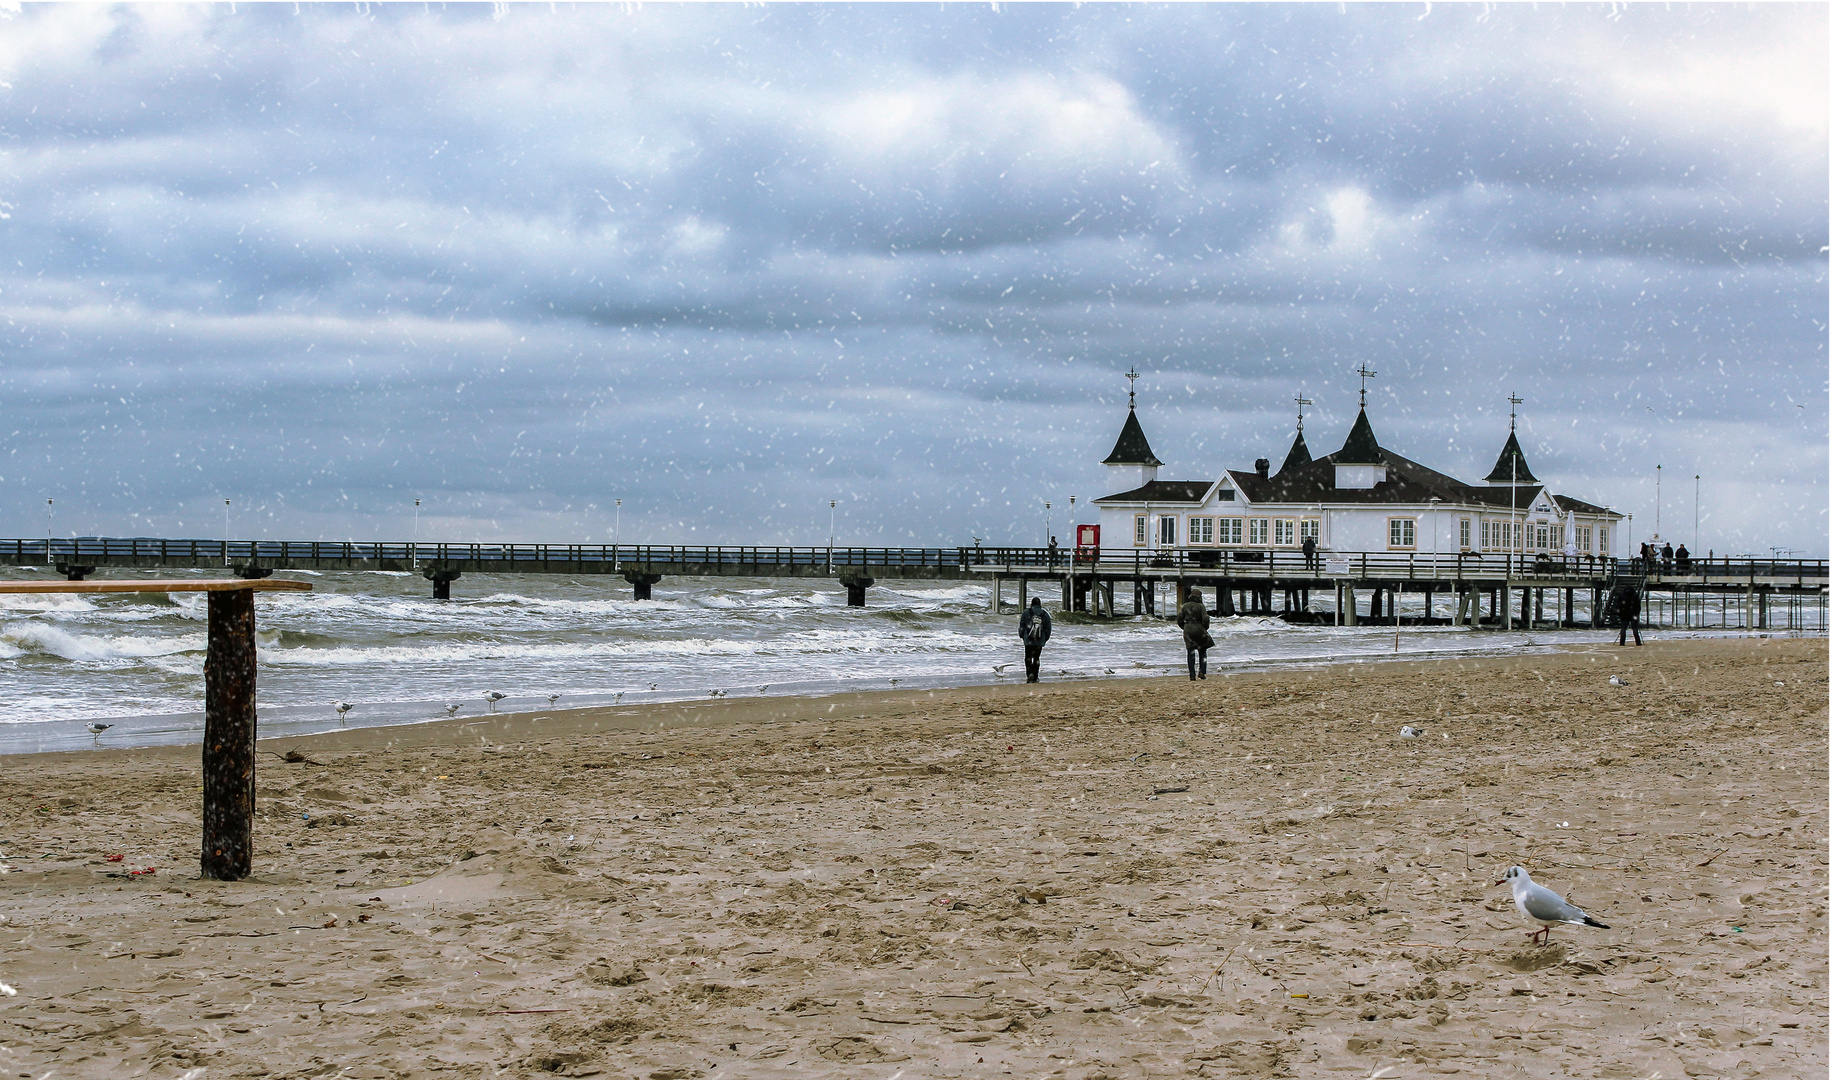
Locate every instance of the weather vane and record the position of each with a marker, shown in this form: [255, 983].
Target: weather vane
[1365, 373]
[1300, 402]
[1516, 402]
[1132, 375]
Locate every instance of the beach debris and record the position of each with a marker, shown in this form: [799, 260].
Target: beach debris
[492, 697]
[114, 858]
[1409, 732]
[1031, 896]
[1543, 906]
[97, 729]
[1170, 790]
[7, 991]
[1615, 680]
[343, 708]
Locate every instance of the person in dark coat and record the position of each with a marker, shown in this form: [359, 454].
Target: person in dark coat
[1309, 552]
[1683, 559]
[1034, 628]
[1665, 557]
[1626, 608]
[1192, 618]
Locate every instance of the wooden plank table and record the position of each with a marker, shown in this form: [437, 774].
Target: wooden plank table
[228, 706]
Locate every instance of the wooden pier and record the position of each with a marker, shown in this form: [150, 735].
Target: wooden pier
[1502, 591]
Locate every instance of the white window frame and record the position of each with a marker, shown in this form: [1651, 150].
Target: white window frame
[1601, 539]
[1200, 530]
[1230, 530]
[1283, 532]
[1140, 536]
[1401, 534]
[1166, 530]
[1310, 528]
[1258, 532]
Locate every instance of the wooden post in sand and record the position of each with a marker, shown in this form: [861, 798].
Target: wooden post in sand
[228, 737]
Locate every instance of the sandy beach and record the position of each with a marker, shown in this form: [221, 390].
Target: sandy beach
[1248, 876]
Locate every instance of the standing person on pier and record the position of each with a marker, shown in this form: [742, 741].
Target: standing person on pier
[1195, 638]
[1309, 562]
[1034, 628]
[1665, 557]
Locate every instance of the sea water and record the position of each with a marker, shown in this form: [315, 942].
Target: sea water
[379, 642]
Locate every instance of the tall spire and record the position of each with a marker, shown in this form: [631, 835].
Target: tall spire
[1299, 450]
[1132, 448]
[1364, 373]
[1511, 469]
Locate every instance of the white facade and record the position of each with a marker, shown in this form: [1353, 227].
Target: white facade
[1395, 507]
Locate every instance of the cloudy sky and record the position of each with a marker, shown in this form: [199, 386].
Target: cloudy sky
[729, 262]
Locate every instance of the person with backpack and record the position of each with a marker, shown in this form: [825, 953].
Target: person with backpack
[1192, 618]
[1034, 628]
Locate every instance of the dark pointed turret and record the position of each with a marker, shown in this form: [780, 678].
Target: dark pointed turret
[1298, 455]
[1511, 459]
[1132, 448]
[1361, 448]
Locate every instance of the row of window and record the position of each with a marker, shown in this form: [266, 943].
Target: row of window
[1401, 533]
[1230, 530]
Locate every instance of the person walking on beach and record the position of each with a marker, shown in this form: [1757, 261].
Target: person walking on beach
[1195, 638]
[1034, 628]
[1626, 608]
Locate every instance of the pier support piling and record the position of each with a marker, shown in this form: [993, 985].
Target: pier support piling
[441, 581]
[855, 584]
[642, 582]
[996, 607]
[73, 572]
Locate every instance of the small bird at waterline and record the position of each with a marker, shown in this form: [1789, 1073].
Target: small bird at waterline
[452, 709]
[552, 699]
[1539, 904]
[97, 729]
[998, 669]
[492, 697]
[343, 708]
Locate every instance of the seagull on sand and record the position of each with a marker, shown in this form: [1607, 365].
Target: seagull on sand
[343, 708]
[718, 693]
[97, 729]
[1615, 680]
[1537, 903]
[1409, 732]
[492, 697]
[452, 709]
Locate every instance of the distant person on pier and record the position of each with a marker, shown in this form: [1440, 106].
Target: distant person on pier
[1626, 609]
[1195, 638]
[1309, 553]
[1665, 557]
[1034, 628]
[1683, 559]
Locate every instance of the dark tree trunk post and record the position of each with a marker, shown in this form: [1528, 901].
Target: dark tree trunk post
[228, 737]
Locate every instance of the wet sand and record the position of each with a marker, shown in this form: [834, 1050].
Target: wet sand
[1248, 876]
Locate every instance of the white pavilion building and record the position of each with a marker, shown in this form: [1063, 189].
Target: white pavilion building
[1361, 498]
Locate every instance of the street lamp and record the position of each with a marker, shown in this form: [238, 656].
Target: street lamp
[1696, 515]
[616, 539]
[415, 554]
[832, 532]
[1658, 502]
[1048, 523]
[47, 530]
[225, 532]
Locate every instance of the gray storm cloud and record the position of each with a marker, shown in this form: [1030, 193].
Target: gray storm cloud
[727, 263]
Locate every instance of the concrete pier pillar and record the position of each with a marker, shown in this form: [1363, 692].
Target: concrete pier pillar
[1506, 606]
[1350, 604]
[73, 572]
[855, 584]
[996, 606]
[642, 582]
[441, 581]
[1022, 594]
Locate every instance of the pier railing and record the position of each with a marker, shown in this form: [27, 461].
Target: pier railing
[1267, 562]
[1383, 565]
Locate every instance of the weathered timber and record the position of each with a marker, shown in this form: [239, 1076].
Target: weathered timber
[228, 737]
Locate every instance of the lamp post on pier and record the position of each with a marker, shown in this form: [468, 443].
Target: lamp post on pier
[415, 554]
[225, 532]
[616, 539]
[47, 531]
[832, 532]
